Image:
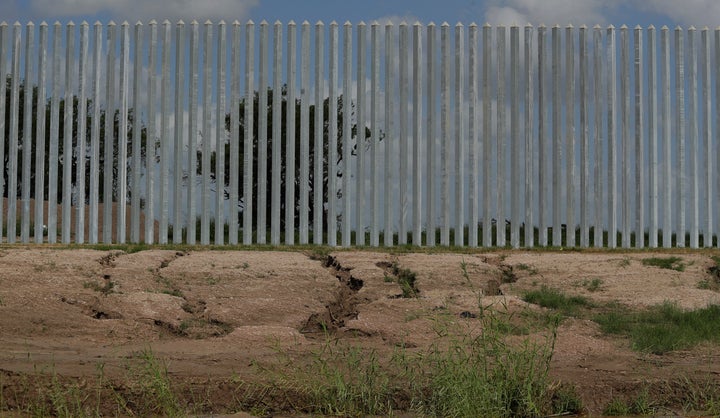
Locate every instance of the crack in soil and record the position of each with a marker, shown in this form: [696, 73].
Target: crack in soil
[199, 325]
[507, 275]
[92, 310]
[343, 308]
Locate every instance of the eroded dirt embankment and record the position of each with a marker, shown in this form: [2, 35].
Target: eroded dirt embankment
[214, 313]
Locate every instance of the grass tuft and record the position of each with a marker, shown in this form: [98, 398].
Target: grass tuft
[487, 376]
[669, 263]
[406, 278]
[665, 327]
[156, 388]
[555, 299]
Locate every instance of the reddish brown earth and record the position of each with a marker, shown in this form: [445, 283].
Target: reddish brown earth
[214, 316]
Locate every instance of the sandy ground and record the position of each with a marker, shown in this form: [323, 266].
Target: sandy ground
[212, 314]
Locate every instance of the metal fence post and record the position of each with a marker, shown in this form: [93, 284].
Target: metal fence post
[445, 136]
[460, 135]
[652, 105]
[179, 140]
[680, 133]
[220, 135]
[27, 134]
[39, 136]
[68, 131]
[318, 206]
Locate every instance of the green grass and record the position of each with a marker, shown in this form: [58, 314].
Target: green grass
[665, 327]
[156, 388]
[350, 381]
[106, 288]
[459, 375]
[669, 263]
[555, 299]
[406, 279]
[487, 376]
[592, 285]
[642, 404]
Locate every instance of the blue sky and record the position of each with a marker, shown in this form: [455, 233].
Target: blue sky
[617, 12]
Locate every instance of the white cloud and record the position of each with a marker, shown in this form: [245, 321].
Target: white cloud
[133, 10]
[686, 13]
[549, 12]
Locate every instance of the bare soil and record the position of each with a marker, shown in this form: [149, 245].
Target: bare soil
[214, 316]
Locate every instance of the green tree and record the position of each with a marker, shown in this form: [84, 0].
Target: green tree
[23, 141]
[339, 107]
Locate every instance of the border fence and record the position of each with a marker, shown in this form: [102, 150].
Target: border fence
[355, 134]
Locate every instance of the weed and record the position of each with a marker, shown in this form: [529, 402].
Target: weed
[48, 266]
[507, 275]
[592, 285]
[625, 262]
[169, 287]
[106, 288]
[484, 375]
[67, 399]
[616, 407]
[670, 263]
[359, 385]
[463, 268]
[158, 395]
[642, 404]
[555, 299]
[665, 327]
[565, 399]
[245, 265]
[524, 267]
[406, 278]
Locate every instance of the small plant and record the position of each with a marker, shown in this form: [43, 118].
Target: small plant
[484, 375]
[616, 407]
[565, 400]
[169, 287]
[524, 267]
[406, 278]
[669, 263]
[592, 285]
[106, 288]
[641, 405]
[463, 268]
[555, 299]
[152, 376]
[625, 262]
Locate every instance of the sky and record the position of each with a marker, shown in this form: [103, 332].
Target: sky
[698, 13]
